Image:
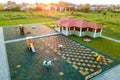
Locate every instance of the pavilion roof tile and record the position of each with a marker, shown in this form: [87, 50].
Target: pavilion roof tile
[67, 22]
[81, 24]
[70, 22]
[94, 25]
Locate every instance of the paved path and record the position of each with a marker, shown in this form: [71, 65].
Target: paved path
[4, 67]
[111, 74]
[41, 36]
[112, 39]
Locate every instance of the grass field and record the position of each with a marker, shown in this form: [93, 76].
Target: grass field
[15, 18]
[106, 46]
[110, 21]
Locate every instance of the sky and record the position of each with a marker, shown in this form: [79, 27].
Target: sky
[71, 1]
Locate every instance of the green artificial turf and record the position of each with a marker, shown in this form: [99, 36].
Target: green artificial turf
[32, 63]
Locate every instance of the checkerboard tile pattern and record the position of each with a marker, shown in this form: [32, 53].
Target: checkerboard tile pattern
[81, 57]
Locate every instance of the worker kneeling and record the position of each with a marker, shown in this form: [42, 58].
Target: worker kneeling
[96, 55]
[30, 44]
[99, 59]
[47, 64]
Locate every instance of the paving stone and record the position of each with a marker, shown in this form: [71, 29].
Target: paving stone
[61, 73]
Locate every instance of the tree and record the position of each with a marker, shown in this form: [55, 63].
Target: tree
[9, 3]
[23, 4]
[14, 3]
[1, 6]
[17, 8]
[86, 8]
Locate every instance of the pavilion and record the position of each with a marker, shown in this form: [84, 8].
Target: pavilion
[68, 26]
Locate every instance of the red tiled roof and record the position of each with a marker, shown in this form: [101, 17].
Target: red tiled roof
[60, 21]
[94, 25]
[81, 24]
[70, 22]
[67, 22]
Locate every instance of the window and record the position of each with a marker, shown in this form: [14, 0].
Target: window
[71, 28]
[98, 30]
[77, 29]
[84, 29]
[91, 30]
[64, 28]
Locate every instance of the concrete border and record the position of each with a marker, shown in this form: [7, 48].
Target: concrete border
[111, 74]
[41, 36]
[112, 39]
[4, 66]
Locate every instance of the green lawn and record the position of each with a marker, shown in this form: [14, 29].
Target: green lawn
[110, 21]
[15, 18]
[24, 21]
[106, 46]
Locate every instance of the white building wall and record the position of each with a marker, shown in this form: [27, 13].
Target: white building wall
[71, 32]
[57, 29]
[64, 32]
[83, 33]
[98, 35]
[77, 33]
[91, 34]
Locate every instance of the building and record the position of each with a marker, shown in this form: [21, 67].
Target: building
[69, 26]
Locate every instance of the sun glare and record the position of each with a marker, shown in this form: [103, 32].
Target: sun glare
[71, 1]
[49, 1]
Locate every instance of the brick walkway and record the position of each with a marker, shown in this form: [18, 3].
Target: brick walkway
[4, 67]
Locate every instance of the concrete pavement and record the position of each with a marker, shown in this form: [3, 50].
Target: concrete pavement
[4, 67]
[112, 39]
[111, 74]
[40, 36]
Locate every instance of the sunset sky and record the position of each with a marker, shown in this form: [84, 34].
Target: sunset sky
[72, 1]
